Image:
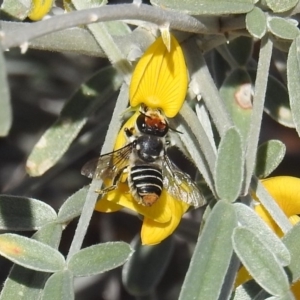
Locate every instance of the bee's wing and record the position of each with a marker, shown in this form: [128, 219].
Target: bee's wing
[180, 185]
[108, 165]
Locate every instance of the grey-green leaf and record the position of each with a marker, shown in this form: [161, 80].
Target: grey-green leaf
[49, 234]
[23, 283]
[30, 253]
[288, 296]
[22, 213]
[293, 75]
[99, 258]
[29, 283]
[236, 91]
[248, 218]
[57, 139]
[144, 269]
[59, 286]
[206, 7]
[241, 49]
[211, 256]
[270, 205]
[292, 242]
[256, 23]
[16, 8]
[229, 166]
[247, 291]
[269, 156]
[72, 207]
[260, 261]
[283, 28]
[282, 5]
[277, 103]
[5, 107]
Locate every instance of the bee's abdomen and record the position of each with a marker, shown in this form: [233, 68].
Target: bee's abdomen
[146, 182]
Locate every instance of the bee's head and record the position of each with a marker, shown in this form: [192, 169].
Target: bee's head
[151, 121]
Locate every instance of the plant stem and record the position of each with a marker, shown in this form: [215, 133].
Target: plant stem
[91, 198]
[156, 15]
[261, 82]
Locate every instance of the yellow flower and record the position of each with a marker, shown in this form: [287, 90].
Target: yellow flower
[285, 190]
[39, 8]
[160, 78]
[160, 219]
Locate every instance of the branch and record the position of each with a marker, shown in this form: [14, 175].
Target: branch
[143, 12]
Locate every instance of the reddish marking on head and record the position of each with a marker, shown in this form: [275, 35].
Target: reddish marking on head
[149, 199]
[155, 121]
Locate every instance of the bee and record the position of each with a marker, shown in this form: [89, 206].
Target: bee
[146, 160]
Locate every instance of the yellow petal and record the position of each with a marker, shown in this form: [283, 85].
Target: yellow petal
[153, 233]
[242, 276]
[263, 213]
[286, 191]
[107, 206]
[39, 9]
[296, 289]
[160, 78]
[159, 212]
[294, 219]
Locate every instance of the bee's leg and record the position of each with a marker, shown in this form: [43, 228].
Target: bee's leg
[129, 132]
[113, 186]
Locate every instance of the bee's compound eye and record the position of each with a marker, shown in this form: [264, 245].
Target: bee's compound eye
[141, 123]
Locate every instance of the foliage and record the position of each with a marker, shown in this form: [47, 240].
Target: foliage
[231, 49]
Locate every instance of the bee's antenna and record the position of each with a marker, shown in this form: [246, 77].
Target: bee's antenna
[175, 130]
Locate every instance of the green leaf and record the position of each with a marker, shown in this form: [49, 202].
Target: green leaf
[293, 75]
[260, 261]
[72, 207]
[269, 156]
[99, 258]
[265, 54]
[288, 296]
[144, 269]
[49, 234]
[5, 107]
[30, 253]
[241, 49]
[211, 256]
[22, 213]
[23, 283]
[283, 28]
[57, 139]
[256, 23]
[16, 8]
[248, 218]
[247, 291]
[292, 242]
[229, 166]
[270, 205]
[282, 5]
[236, 91]
[277, 103]
[206, 7]
[59, 286]
[89, 4]
[117, 28]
